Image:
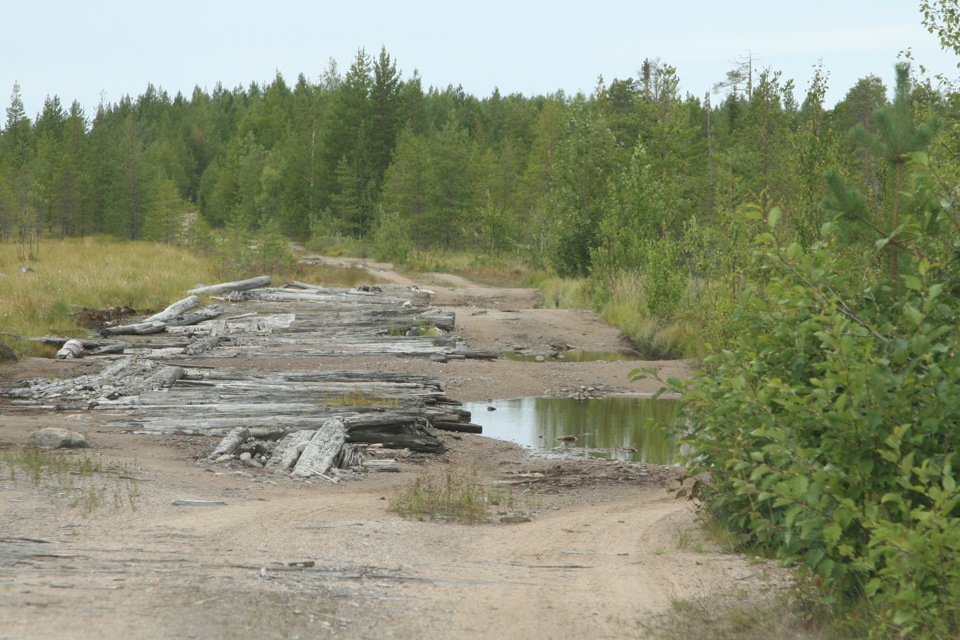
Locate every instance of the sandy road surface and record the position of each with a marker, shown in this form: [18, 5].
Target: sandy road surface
[605, 546]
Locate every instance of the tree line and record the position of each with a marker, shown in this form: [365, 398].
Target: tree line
[536, 175]
[633, 183]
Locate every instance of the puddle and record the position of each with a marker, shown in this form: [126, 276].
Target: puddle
[574, 355]
[626, 428]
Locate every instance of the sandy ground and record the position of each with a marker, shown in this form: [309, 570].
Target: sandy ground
[588, 549]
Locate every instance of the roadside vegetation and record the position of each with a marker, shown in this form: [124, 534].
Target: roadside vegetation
[829, 424]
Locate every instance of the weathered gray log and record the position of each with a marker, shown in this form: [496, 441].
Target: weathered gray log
[319, 456]
[288, 450]
[240, 285]
[231, 442]
[422, 444]
[386, 464]
[351, 455]
[113, 346]
[194, 317]
[201, 345]
[474, 354]
[164, 378]
[174, 310]
[138, 329]
[70, 349]
[459, 427]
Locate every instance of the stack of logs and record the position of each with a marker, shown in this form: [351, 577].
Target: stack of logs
[335, 445]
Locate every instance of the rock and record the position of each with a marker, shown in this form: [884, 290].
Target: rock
[539, 359]
[224, 458]
[55, 438]
[245, 456]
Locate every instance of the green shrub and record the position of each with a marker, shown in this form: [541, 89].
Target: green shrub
[829, 426]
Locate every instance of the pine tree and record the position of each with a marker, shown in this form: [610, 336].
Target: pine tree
[895, 141]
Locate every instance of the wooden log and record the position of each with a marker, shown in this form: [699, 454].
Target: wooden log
[318, 457]
[100, 347]
[174, 310]
[474, 354]
[201, 345]
[195, 317]
[231, 442]
[288, 450]
[458, 427]
[422, 444]
[386, 464]
[240, 285]
[165, 378]
[138, 329]
[70, 349]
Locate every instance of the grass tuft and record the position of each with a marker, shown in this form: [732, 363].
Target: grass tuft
[83, 480]
[453, 495]
[360, 398]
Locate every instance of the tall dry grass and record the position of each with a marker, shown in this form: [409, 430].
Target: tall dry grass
[92, 272]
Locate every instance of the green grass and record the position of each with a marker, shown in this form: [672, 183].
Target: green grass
[360, 398]
[92, 272]
[452, 495]
[83, 481]
[458, 495]
[331, 275]
[560, 293]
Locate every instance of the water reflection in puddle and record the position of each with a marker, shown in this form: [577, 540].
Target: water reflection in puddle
[623, 428]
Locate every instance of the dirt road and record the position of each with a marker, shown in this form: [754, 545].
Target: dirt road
[594, 549]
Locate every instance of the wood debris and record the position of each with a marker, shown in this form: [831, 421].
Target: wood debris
[308, 423]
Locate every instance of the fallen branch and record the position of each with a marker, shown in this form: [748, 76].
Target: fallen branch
[174, 310]
[196, 317]
[231, 442]
[240, 285]
[138, 329]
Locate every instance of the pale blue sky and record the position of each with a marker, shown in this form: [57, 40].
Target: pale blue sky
[82, 50]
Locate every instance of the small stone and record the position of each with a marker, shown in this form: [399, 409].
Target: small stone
[253, 463]
[539, 359]
[224, 458]
[245, 456]
[55, 438]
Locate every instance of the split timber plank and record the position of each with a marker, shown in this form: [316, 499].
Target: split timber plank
[318, 457]
[287, 451]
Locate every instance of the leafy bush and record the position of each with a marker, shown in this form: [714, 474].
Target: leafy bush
[829, 424]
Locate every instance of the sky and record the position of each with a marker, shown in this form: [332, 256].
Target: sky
[107, 49]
